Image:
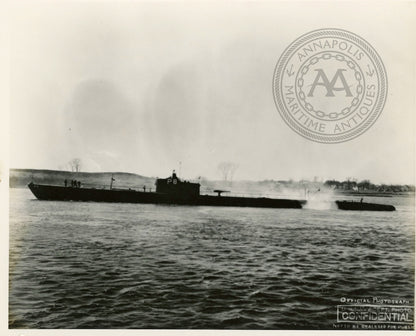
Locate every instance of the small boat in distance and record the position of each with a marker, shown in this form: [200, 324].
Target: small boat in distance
[171, 190]
[362, 206]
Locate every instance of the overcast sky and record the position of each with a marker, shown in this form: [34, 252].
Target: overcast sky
[139, 87]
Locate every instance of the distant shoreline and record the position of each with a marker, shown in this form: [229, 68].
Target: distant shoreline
[20, 178]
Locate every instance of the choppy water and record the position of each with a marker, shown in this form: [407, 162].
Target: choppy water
[96, 265]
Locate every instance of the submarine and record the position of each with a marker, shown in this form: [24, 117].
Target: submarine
[171, 190]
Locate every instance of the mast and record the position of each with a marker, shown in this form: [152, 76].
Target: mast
[111, 183]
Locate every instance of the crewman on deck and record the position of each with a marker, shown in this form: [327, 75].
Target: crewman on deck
[66, 182]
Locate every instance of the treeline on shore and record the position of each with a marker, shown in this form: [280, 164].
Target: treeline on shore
[366, 185]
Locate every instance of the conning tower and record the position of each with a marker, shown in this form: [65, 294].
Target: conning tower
[176, 188]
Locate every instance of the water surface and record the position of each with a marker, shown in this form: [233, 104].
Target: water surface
[106, 265]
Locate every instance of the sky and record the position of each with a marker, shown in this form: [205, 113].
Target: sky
[141, 86]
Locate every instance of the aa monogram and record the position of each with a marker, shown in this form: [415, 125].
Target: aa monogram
[330, 85]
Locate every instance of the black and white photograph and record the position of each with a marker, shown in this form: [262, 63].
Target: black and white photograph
[208, 166]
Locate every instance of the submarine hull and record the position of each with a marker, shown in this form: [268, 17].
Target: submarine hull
[58, 193]
[362, 206]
